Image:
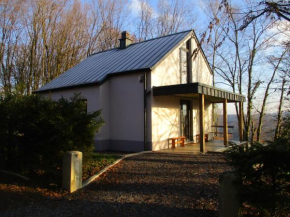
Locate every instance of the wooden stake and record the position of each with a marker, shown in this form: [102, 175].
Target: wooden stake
[241, 120]
[225, 122]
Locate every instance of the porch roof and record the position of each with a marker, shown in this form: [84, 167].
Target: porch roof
[193, 90]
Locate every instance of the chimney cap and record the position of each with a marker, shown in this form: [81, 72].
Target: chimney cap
[125, 40]
[125, 35]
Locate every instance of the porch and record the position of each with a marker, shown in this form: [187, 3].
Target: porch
[202, 93]
[194, 148]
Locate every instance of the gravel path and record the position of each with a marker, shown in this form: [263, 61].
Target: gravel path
[152, 184]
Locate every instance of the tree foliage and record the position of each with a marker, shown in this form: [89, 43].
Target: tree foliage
[279, 9]
[35, 132]
[41, 39]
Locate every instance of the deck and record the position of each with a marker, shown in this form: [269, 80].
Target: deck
[194, 148]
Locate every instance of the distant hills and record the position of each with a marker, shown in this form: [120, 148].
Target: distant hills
[268, 127]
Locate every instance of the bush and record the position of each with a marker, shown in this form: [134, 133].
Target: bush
[265, 175]
[35, 132]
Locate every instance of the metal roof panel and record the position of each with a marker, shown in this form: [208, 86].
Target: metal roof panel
[97, 67]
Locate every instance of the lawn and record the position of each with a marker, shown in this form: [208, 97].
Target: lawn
[97, 162]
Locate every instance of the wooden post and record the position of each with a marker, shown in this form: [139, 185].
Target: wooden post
[201, 123]
[241, 120]
[228, 195]
[225, 115]
[72, 170]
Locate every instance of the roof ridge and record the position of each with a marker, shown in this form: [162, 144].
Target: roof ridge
[151, 39]
[95, 69]
[176, 33]
[102, 51]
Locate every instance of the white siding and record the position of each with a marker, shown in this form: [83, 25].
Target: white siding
[200, 69]
[121, 99]
[92, 94]
[165, 120]
[127, 108]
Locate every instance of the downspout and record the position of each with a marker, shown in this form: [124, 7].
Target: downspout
[145, 111]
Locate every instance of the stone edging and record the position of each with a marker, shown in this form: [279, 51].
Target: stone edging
[15, 174]
[91, 179]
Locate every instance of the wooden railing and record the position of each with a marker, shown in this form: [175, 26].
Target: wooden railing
[218, 135]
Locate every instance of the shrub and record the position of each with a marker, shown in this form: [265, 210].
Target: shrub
[265, 175]
[35, 131]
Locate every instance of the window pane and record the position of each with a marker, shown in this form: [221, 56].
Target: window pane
[183, 66]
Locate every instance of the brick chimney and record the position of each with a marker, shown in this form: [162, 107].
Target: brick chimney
[125, 40]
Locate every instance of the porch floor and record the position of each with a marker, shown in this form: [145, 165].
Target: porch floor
[194, 148]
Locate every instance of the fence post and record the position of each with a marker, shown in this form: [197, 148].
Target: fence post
[228, 195]
[72, 170]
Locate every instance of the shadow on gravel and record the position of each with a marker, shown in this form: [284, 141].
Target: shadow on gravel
[201, 159]
[83, 208]
[93, 209]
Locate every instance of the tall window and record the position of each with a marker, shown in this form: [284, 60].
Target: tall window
[183, 64]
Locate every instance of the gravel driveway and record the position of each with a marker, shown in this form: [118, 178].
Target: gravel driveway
[151, 184]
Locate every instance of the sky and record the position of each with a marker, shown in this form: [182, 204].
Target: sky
[201, 24]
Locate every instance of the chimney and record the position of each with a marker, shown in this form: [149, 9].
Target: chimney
[125, 40]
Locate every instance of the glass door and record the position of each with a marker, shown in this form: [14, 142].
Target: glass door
[185, 120]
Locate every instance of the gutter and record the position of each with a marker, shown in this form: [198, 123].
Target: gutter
[93, 83]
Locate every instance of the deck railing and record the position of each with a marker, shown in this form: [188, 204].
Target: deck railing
[219, 134]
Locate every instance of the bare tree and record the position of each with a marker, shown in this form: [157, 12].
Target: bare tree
[173, 16]
[284, 76]
[215, 38]
[275, 62]
[279, 8]
[146, 23]
[240, 54]
[10, 32]
[113, 16]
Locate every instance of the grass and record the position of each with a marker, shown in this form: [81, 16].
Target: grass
[97, 162]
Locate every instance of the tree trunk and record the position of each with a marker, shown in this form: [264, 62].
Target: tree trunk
[278, 126]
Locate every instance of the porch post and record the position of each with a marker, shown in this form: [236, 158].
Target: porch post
[225, 115]
[201, 123]
[241, 120]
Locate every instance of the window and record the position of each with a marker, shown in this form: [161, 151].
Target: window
[183, 64]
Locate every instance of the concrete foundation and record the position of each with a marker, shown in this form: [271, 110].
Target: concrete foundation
[72, 170]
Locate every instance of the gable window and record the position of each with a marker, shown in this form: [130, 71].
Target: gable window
[184, 77]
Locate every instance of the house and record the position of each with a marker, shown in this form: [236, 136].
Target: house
[148, 92]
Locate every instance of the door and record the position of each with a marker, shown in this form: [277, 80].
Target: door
[185, 120]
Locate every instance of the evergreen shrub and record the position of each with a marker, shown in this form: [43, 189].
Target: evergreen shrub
[35, 132]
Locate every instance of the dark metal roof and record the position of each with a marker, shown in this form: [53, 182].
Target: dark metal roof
[138, 56]
[193, 90]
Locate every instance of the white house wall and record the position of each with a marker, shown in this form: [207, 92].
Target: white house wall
[207, 118]
[200, 69]
[165, 120]
[92, 94]
[104, 136]
[121, 100]
[127, 113]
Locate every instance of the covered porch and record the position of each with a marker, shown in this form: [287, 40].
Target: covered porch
[202, 93]
[194, 148]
